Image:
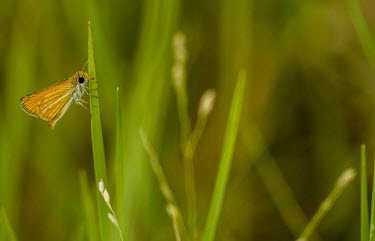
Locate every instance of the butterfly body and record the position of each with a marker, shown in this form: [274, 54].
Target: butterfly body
[52, 102]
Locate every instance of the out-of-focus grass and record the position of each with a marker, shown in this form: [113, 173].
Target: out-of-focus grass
[15, 130]
[146, 107]
[7, 230]
[367, 41]
[89, 212]
[177, 219]
[362, 28]
[179, 84]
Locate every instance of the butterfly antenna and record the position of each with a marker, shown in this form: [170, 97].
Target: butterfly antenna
[84, 65]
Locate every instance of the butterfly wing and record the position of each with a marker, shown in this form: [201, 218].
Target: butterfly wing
[59, 110]
[50, 103]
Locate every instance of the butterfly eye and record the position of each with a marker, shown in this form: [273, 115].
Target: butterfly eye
[81, 80]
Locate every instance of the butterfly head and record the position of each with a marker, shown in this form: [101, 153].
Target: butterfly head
[81, 77]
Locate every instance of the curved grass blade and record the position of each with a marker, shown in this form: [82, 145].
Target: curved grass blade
[97, 140]
[226, 159]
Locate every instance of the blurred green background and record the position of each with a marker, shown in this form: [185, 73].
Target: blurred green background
[309, 104]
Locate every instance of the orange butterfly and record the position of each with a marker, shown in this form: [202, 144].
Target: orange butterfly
[52, 102]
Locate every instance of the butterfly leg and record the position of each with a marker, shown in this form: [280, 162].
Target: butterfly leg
[88, 93]
[80, 103]
[88, 88]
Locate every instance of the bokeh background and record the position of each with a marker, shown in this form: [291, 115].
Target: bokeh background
[309, 104]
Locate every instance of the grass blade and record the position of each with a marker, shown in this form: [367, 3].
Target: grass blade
[372, 219]
[362, 28]
[364, 204]
[97, 139]
[226, 159]
[342, 182]
[119, 162]
[4, 221]
[91, 227]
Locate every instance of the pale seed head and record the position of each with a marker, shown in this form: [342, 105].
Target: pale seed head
[206, 103]
[107, 199]
[112, 218]
[101, 186]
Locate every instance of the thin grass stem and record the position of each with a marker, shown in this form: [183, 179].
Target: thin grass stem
[179, 84]
[171, 210]
[342, 182]
[107, 199]
[162, 180]
[205, 107]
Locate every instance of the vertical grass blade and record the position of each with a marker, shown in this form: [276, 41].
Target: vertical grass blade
[226, 159]
[342, 182]
[364, 204]
[91, 225]
[362, 28]
[97, 139]
[119, 162]
[4, 221]
[372, 219]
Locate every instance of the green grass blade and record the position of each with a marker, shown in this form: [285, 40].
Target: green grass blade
[362, 28]
[119, 162]
[342, 182]
[97, 140]
[226, 159]
[91, 225]
[372, 219]
[4, 221]
[364, 204]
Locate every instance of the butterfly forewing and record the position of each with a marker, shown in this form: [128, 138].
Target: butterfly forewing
[50, 103]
